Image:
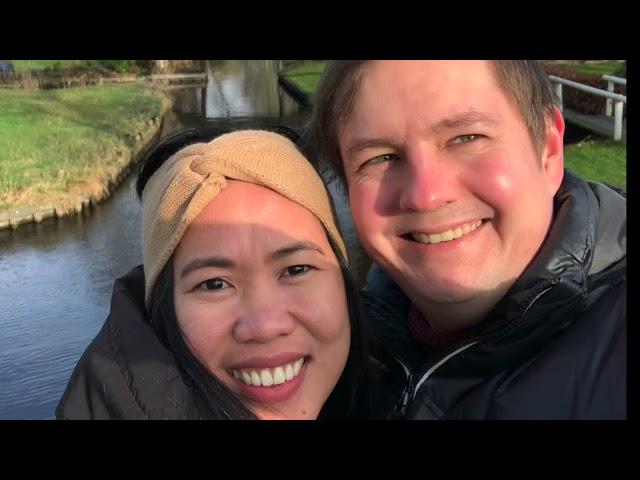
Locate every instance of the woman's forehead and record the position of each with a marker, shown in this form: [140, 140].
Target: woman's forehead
[244, 202]
[245, 215]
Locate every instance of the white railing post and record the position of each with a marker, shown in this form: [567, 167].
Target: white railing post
[558, 89]
[617, 121]
[610, 87]
[619, 100]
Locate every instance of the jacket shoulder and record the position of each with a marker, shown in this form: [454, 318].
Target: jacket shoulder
[97, 389]
[102, 385]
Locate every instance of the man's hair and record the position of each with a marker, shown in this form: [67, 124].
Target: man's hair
[524, 81]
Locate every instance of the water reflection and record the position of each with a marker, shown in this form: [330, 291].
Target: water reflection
[55, 286]
[246, 89]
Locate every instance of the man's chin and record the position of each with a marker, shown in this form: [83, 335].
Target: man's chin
[444, 290]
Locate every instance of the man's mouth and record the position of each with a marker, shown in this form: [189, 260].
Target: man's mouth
[445, 236]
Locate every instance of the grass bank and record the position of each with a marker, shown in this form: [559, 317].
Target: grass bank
[305, 75]
[58, 144]
[601, 161]
[600, 68]
[27, 65]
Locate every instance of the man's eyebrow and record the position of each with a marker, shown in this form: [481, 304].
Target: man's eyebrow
[293, 248]
[464, 119]
[359, 144]
[467, 118]
[198, 263]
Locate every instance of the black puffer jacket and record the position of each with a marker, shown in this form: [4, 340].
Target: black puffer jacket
[126, 373]
[553, 348]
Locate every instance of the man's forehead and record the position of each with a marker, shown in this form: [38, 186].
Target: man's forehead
[436, 98]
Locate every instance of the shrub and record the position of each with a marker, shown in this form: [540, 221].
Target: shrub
[120, 66]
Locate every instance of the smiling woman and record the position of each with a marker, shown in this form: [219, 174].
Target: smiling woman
[245, 308]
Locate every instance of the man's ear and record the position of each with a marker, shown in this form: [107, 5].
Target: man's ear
[553, 151]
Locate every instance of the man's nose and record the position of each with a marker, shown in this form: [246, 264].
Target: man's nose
[429, 182]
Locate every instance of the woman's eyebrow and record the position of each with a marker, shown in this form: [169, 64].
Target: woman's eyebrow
[293, 248]
[215, 262]
[223, 262]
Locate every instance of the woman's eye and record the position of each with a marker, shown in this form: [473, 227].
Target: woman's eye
[466, 138]
[214, 284]
[297, 270]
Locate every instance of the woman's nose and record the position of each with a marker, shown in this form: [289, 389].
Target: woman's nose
[263, 319]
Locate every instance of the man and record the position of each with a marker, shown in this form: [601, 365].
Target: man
[499, 284]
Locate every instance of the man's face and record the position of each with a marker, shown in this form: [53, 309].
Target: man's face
[446, 189]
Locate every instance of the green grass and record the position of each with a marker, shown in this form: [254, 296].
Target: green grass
[53, 140]
[306, 75]
[604, 68]
[601, 161]
[25, 65]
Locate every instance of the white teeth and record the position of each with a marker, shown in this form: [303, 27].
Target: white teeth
[297, 365]
[267, 377]
[447, 235]
[278, 376]
[288, 372]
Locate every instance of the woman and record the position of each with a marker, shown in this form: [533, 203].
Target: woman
[245, 308]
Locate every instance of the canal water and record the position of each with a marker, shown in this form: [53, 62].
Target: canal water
[56, 278]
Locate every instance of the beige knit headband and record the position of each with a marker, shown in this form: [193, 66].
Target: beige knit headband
[185, 184]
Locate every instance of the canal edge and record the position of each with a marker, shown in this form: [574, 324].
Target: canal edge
[13, 218]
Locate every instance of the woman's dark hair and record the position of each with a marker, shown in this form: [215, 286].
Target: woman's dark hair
[214, 400]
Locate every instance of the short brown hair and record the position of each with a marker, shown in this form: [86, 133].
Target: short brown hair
[523, 80]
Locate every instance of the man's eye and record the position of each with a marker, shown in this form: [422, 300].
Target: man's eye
[466, 138]
[382, 158]
[213, 284]
[296, 270]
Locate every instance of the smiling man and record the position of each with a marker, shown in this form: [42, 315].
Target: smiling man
[498, 289]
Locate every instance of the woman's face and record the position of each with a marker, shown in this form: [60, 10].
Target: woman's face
[261, 301]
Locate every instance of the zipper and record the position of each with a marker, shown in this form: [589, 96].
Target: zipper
[401, 406]
[441, 362]
[400, 410]
[410, 391]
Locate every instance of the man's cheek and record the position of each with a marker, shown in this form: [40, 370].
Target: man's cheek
[365, 218]
[498, 182]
